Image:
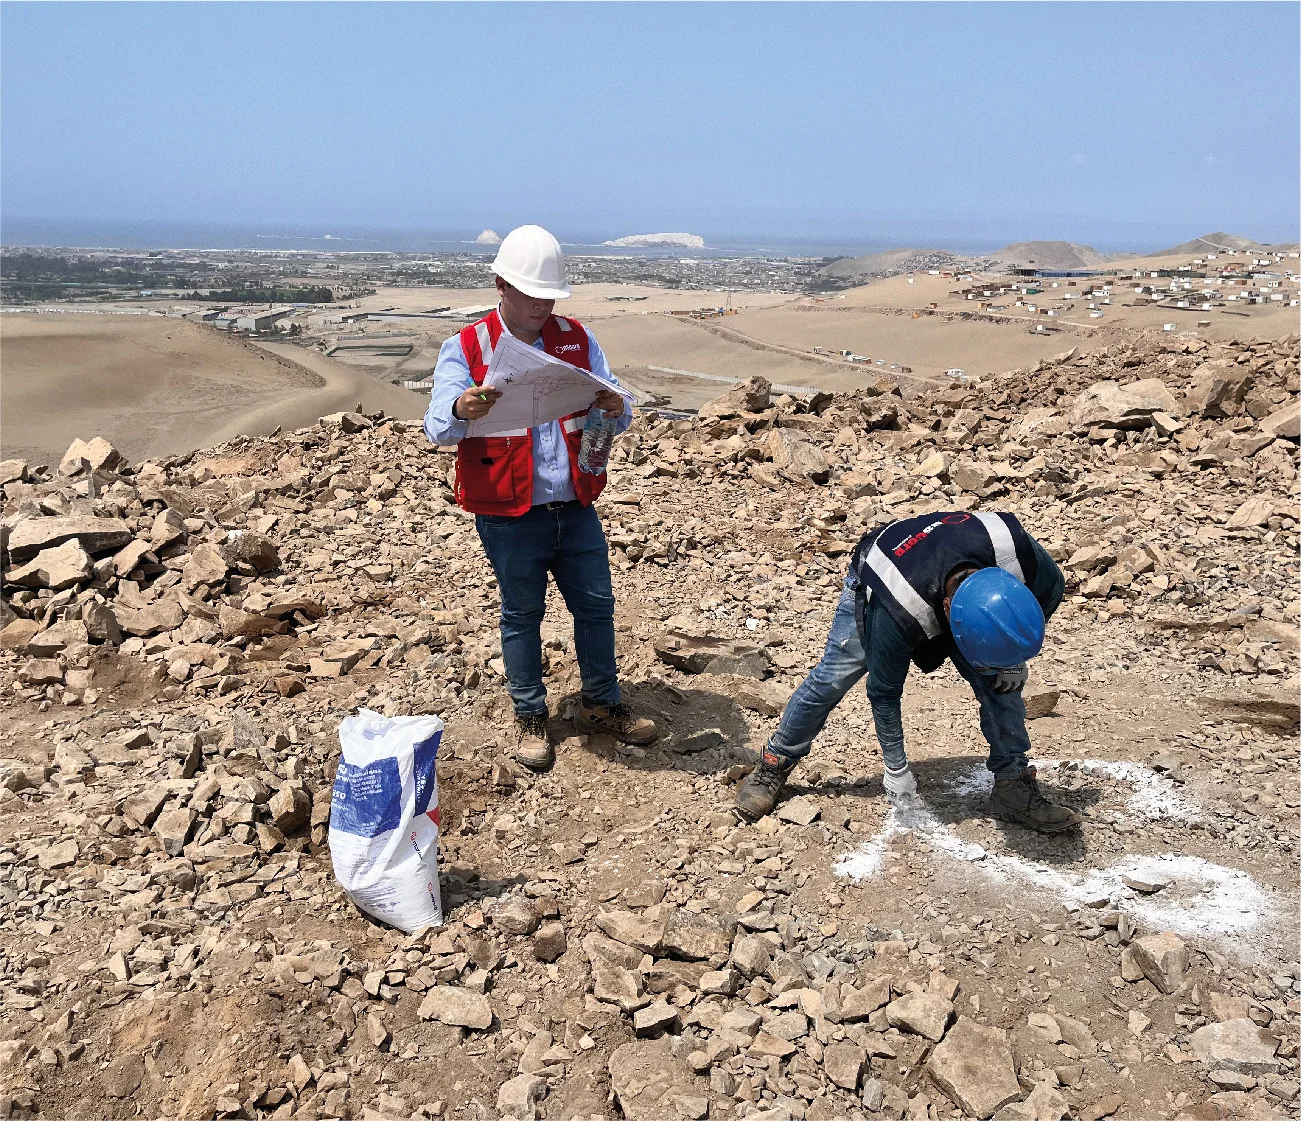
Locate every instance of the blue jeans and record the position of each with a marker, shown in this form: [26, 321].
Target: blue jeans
[845, 662]
[565, 540]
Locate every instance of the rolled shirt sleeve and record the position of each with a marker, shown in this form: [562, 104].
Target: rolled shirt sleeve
[601, 368]
[451, 379]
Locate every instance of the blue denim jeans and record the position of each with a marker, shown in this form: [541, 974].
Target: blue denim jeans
[845, 662]
[566, 541]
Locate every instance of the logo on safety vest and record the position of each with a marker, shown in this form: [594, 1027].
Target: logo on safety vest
[908, 542]
[568, 347]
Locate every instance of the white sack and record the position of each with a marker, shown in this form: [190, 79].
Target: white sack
[384, 818]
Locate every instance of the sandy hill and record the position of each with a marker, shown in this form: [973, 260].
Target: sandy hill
[1211, 243]
[889, 261]
[1049, 255]
[156, 386]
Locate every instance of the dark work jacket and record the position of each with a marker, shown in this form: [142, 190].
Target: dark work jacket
[903, 568]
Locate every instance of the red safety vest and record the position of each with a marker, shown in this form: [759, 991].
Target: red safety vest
[494, 474]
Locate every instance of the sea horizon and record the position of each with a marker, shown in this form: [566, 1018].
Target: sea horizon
[128, 236]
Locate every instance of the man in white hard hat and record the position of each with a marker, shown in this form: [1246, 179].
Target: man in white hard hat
[533, 506]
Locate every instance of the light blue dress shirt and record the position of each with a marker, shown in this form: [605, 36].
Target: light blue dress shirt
[552, 480]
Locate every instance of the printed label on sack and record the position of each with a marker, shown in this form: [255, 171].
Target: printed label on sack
[367, 801]
[425, 752]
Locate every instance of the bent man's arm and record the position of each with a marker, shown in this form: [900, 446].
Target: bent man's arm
[889, 658]
[451, 379]
[1049, 585]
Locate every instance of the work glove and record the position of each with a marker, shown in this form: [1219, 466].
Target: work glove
[900, 786]
[1011, 680]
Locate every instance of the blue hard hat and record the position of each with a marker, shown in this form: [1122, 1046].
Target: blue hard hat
[995, 619]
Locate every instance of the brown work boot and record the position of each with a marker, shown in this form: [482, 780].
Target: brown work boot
[759, 792]
[1018, 799]
[617, 721]
[534, 748]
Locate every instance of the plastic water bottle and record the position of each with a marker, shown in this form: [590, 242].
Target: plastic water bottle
[598, 439]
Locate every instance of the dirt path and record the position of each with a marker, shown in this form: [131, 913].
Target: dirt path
[340, 389]
[846, 369]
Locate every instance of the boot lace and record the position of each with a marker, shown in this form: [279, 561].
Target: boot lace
[535, 725]
[768, 777]
[620, 717]
[1034, 797]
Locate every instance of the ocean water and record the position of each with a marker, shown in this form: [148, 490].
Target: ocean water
[78, 234]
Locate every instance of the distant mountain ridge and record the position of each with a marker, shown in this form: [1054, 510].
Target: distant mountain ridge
[1052, 255]
[1211, 243]
[889, 261]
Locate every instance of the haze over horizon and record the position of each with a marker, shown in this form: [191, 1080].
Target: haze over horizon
[966, 127]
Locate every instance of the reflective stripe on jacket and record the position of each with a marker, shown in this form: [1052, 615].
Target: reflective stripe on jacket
[905, 566]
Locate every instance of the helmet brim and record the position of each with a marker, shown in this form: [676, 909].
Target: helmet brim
[532, 288]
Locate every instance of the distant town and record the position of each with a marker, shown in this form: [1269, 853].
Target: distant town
[229, 278]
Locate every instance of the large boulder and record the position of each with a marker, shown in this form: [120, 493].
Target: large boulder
[1156, 390]
[99, 453]
[252, 548]
[1284, 422]
[977, 478]
[922, 1013]
[880, 412]
[96, 535]
[1241, 1045]
[649, 1083]
[54, 640]
[458, 1007]
[796, 457]
[706, 654]
[206, 565]
[1111, 405]
[1218, 392]
[165, 615]
[974, 1067]
[237, 623]
[519, 1096]
[1163, 958]
[749, 396]
[61, 567]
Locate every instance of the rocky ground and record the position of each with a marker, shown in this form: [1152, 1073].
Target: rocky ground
[182, 638]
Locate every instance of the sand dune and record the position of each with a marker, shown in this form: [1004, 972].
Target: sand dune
[156, 386]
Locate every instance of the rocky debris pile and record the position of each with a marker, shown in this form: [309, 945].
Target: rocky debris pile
[181, 639]
[103, 558]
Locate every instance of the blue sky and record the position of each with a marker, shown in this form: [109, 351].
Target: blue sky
[1123, 125]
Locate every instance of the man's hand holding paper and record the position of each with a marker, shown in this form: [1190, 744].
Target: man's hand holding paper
[536, 388]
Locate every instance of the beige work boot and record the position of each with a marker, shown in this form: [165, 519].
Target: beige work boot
[534, 748]
[617, 721]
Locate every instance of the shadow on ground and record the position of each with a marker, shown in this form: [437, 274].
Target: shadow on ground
[701, 732]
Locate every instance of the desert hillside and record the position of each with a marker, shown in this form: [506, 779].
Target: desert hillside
[183, 635]
[157, 386]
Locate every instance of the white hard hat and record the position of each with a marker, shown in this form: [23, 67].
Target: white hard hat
[530, 259]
